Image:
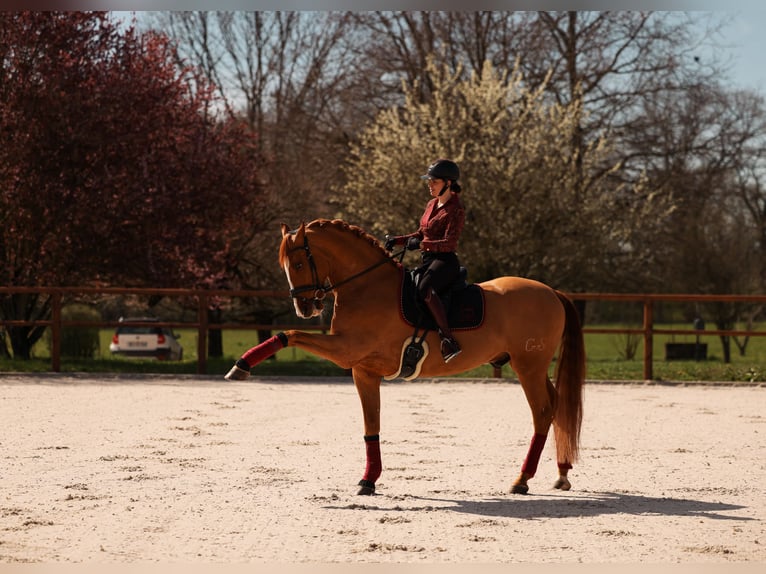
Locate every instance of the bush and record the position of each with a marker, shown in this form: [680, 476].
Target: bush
[78, 342]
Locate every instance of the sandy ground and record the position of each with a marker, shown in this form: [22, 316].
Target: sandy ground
[203, 471]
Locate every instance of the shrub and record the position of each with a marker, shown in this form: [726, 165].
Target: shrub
[78, 342]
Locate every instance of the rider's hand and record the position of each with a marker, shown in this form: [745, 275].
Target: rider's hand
[413, 243]
[390, 242]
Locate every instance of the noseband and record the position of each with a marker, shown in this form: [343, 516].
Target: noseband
[320, 291]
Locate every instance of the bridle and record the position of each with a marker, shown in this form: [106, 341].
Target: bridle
[320, 291]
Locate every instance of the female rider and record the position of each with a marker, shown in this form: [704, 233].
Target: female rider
[437, 238]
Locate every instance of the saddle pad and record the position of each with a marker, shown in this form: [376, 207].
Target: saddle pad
[465, 306]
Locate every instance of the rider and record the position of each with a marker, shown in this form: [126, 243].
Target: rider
[437, 238]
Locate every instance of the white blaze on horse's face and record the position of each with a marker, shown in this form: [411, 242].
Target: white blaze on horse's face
[292, 286]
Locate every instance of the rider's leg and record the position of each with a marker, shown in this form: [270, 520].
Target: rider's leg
[449, 346]
[436, 276]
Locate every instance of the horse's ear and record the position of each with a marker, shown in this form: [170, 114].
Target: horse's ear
[300, 233]
[295, 232]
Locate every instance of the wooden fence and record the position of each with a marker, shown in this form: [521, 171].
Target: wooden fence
[204, 297]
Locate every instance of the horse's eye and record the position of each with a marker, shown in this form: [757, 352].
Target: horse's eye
[298, 266]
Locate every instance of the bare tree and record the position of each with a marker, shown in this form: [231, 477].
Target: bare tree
[399, 44]
[282, 72]
[750, 179]
[703, 148]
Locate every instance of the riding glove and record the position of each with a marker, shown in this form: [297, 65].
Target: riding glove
[413, 243]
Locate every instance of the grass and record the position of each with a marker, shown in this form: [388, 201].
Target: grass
[603, 350]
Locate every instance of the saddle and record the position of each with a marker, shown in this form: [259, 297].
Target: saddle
[463, 302]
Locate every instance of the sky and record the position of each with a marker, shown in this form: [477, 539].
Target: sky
[743, 39]
[747, 37]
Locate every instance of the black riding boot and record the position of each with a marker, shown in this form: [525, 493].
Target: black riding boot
[449, 347]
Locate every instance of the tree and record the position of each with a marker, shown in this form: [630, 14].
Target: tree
[524, 216]
[285, 75]
[703, 149]
[600, 65]
[112, 168]
[397, 46]
[749, 183]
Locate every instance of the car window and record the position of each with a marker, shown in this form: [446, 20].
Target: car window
[132, 330]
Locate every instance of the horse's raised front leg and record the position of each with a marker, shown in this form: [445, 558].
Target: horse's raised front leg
[241, 369]
[368, 387]
[331, 347]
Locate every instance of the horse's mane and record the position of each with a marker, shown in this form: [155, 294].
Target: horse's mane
[343, 227]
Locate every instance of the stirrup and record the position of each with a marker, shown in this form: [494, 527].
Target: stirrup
[450, 349]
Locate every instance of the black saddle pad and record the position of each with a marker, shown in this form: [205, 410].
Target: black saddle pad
[464, 304]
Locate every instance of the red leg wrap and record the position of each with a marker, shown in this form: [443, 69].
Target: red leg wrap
[374, 465]
[533, 456]
[265, 350]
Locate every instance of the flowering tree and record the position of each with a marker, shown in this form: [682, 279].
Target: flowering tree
[534, 207]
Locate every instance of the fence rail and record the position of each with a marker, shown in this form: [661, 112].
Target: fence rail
[204, 297]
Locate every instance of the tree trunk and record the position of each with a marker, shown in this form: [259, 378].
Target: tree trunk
[726, 346]
[742, 345]
[21, 342]
[215, 336]
[4, 353]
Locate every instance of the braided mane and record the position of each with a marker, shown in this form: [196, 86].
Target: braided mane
[345, 227]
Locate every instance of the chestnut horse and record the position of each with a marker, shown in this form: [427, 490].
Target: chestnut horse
[525, 323]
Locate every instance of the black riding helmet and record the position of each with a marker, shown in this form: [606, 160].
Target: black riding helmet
[443, 169]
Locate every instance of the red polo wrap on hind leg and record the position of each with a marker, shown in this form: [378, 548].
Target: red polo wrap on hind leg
[533, 456]
[265, 349]
[374, 465]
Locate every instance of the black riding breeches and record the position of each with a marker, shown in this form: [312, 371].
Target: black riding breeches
[437, 272]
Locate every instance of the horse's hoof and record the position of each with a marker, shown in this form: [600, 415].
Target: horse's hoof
[519, 489]
[237, 373]
[562, 484]
[367, 488]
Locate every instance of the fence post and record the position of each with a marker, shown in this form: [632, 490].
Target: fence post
[56, 332]
[648, 340]
[202, 334]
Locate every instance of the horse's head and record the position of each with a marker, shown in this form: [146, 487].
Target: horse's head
[307, 285]
[323, 256]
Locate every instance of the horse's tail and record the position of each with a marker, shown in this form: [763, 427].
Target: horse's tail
[570, 376]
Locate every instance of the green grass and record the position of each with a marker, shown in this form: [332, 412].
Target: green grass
[603, 350]
[605, 362]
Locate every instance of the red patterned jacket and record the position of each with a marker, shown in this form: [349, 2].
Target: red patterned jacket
[440, 227]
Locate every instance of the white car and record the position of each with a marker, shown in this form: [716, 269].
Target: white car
[133, 340]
